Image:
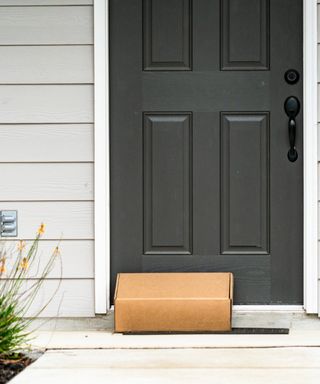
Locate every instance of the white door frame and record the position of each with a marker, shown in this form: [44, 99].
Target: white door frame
[102, 167]
[310, 153]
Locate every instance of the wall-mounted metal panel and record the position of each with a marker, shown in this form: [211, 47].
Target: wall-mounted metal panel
[167, 183]
[245, 183]
[245, 35]
[167, 35]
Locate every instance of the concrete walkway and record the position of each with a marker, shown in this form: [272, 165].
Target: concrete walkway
[98, 355]
[264, 365]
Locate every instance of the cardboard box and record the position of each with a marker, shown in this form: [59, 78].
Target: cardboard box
[169, 302]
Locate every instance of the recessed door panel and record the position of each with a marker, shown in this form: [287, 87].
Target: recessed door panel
[245, 183]
[167, 183]
[167, 35]
[245, 34]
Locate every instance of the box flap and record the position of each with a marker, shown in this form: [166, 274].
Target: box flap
[174, 285]
[116, 288]
[231, 286]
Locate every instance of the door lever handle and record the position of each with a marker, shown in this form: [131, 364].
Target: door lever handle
[292, 153]
[292, 108]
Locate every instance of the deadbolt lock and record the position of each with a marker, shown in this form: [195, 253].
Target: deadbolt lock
[292, 76]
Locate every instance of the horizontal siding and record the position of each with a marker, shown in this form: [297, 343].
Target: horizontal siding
[319, 183]
[318, 219]
[76, 259]
[67, 220]
[319, 143]
[318, 57]
[318, 9]
[45, 143]
[46, 136]
[73, 181]
[44, 2]
[46, 25]
[46, 104]
[319, 132]
[46, 64]
[73, 298]
[318, 99]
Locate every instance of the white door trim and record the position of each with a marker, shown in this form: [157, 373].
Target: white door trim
[102, 170]
[101, 157]
[310, 181]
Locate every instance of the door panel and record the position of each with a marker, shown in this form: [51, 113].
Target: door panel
[167, 183]
[244, 183]
[200, 179]
[167, 35]
[245, 35]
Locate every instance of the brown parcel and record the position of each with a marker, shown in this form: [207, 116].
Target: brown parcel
[185, 302]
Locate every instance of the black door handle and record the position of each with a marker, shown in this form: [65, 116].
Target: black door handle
[292, 108]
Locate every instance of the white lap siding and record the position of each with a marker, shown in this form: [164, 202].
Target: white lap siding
[46, 137]
[319, 141]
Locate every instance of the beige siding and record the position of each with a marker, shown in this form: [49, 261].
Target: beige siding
[45, 2]
[46, 25]
[66, 219]
[39, 181]
[76, 261]
[319, 128]
[73, 298]
[42, 64]
[46, 136]
[46, 143]
[46, 103]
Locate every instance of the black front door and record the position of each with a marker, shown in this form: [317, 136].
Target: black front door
[201, 178]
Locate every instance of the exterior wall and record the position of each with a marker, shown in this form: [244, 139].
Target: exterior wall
[319, 145]
[46, 136]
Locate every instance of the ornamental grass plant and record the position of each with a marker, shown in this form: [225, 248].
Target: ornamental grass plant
[21, 277]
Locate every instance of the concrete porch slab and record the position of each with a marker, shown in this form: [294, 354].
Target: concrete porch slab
[98, 333]
[240, 318]
[303, 357]
[174, 376]
[87, 350]
[105, 340]
[284, 365]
